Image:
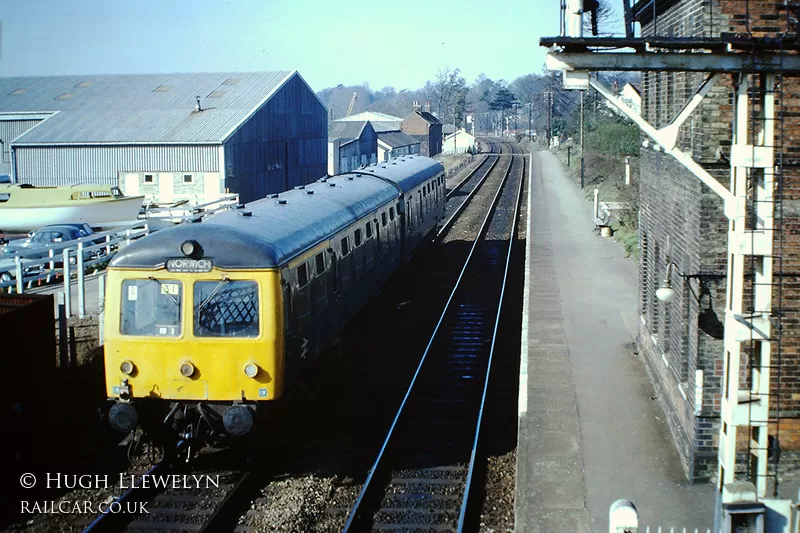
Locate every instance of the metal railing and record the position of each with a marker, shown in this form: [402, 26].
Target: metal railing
[70, 260]
[32, 267]
[192, 213]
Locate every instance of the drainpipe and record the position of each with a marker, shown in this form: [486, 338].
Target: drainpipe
[13, 154]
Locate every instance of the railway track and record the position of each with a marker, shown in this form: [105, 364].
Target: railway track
[176, 498]
[425, 487]
[460, 196]
[421, 479]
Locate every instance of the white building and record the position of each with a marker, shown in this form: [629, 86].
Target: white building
[458, 142]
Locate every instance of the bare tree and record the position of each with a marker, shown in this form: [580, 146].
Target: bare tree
[602, 21]
[446, 88]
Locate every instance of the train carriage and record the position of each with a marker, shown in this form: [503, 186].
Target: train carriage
[205, 322]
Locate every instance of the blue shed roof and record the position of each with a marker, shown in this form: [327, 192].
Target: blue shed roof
[274, 233]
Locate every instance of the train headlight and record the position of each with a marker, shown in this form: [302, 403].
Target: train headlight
[127, 367]
[192, 248]
[251, 370]
[187, 369]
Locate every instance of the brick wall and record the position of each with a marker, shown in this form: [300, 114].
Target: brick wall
[681, 220]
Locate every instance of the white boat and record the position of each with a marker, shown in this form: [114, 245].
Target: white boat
[25, 207]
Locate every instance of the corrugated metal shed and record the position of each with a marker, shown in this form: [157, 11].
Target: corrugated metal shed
[378, 125]
[142, 108]
[346, 131]
[372, 116]
[397, 138]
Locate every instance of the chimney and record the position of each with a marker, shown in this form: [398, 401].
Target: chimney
[197, 107]
[427, 107]
[415, 105]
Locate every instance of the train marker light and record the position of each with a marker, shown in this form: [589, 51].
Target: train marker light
[251, 370]
[127, 367]
[187, 369]
[192, 248]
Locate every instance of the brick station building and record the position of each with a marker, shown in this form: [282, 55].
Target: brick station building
[682, 221]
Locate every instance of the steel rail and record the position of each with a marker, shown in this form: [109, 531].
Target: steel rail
[463, 205]
[472, 172]
[353, 515]
[473, 454]
[467, 177]
[224, 514]
[108, 521]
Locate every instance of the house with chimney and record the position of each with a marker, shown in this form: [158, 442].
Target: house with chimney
[425, 127]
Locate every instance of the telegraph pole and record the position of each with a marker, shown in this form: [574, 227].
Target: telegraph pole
[582, 165]
[530, 121]
[548, 95]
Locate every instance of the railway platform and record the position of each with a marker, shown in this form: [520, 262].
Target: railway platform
[590, 431]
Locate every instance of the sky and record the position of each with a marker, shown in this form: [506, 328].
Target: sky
[400, 44]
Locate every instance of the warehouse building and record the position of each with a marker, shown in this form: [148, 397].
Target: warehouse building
[351, 145]
[170, 137]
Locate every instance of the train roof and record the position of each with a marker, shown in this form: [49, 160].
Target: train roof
[269, 232]
[405, 172]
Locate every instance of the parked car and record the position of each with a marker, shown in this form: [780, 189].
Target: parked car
[39, 241]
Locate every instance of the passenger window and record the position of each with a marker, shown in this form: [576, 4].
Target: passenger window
[383, 219]
[425, 191]
[391, 213]
[358, 237]
[345, 246]
[320, 260]
[369, 229]
[302, 275]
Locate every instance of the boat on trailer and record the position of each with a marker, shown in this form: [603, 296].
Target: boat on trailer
[25, 207]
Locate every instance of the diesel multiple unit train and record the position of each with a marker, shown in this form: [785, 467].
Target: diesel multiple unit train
[206, 323]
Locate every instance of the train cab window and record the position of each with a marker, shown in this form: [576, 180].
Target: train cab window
[151, 307]
[226, 308]
[383, 219]
[391, 213]
[357, 237]
[368, 228]
[319, 259]
[345, 246]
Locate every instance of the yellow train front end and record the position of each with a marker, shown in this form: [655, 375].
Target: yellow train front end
[189, 346]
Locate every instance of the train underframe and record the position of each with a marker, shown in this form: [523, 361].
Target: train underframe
[191, 424]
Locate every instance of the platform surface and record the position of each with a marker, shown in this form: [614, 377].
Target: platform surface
[590, 430]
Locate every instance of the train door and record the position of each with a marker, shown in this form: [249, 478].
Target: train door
[345, 277]
[291, 347]
[358, 255]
